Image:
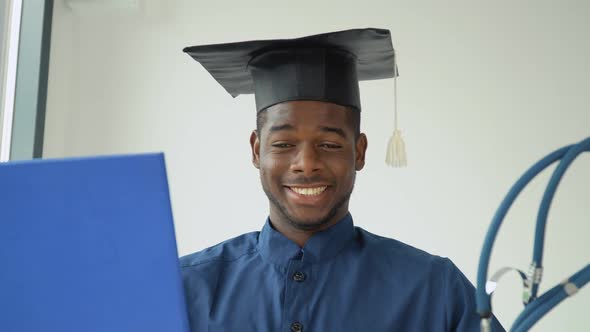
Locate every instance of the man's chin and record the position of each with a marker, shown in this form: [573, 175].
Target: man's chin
[309, 223]
[306, 218]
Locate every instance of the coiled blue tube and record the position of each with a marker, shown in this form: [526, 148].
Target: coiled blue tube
[536, 309]
[566, 161]
[533, 306]
[483, 299]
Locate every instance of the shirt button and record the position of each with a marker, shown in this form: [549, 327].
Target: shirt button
[296, 327]
[299, 276]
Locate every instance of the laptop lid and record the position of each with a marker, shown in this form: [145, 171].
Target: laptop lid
[88, 244]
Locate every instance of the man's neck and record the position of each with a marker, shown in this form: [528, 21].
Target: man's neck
[297, 235]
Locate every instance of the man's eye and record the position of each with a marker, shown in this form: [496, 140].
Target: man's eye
[282, 145]
[330, 146]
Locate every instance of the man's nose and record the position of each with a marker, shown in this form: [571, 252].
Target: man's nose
[307, 160]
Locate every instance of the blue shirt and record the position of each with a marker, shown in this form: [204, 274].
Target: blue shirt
[343, 279]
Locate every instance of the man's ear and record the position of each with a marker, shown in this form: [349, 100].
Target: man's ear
[255, 145]
[361, 149]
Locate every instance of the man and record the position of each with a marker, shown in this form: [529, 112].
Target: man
[310, 268]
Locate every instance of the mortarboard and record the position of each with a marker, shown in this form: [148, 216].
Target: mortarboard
[324, 67]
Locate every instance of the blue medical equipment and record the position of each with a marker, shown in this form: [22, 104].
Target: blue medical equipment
[535, 306]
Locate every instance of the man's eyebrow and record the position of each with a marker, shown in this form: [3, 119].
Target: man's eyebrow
[338, 131]
[281, 127]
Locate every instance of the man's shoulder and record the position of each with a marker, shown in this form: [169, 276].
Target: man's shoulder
[227, 251]
[398, 251]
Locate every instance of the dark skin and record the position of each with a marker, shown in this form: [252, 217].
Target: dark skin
[308, 155]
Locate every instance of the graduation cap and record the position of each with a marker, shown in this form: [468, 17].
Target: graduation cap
[324, 67]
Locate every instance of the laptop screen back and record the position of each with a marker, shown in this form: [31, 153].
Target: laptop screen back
[88, 244]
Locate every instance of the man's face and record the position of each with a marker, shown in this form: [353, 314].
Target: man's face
[308, 156]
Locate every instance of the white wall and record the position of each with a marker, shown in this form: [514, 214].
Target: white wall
[486, 89]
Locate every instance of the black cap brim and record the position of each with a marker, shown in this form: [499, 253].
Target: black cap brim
[228, 63]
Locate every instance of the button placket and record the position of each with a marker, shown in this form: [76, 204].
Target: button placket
[296, 295]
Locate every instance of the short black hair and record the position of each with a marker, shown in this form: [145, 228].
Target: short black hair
[354, 116]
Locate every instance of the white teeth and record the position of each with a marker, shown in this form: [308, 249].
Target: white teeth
[309, 191]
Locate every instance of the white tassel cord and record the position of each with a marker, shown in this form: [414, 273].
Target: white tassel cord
[396, 148]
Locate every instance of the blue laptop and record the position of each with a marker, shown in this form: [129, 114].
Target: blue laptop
[88, 245]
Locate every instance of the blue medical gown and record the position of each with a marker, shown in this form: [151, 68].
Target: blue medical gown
[343, 279]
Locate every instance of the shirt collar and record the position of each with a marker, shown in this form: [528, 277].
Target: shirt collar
[278, 249]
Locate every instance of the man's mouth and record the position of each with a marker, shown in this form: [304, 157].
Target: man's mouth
[309, 191]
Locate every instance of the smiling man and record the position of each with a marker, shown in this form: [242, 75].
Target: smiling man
[310, 268]
[308, 153]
